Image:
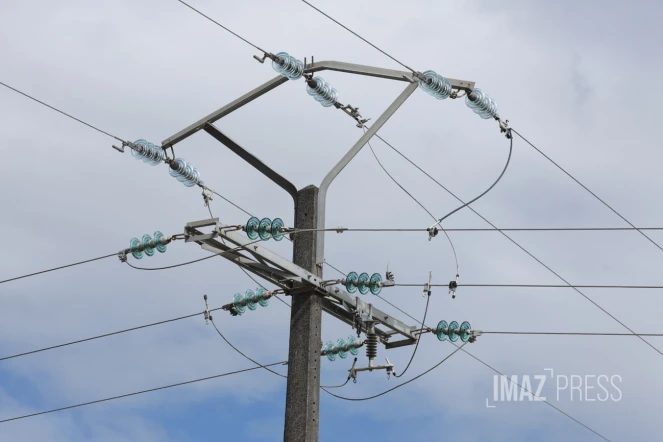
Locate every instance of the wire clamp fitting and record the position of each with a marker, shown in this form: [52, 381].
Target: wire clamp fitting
[354, 113]
[122, 255]
[128, 144]
[389, 276]
[474, 334]
[389, 367]
[453, 285]
[207, 197]
[428, 287]
[505, 129]
[353, 372]
[265, 55]
[119, 149]
[208, 315]
[432, 232]
[340, 229]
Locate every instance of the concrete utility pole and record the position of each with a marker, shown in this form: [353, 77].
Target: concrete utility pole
[302, 278]
[302, 401]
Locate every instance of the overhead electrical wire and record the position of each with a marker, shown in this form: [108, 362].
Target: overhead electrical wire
[358, 36]
[140, 392]
[221, 26]
[540, 286]
[528, 252]
[506, 166]
[550, 404]
[399, 385]
[505, 229]
[453, 248]
[105, 335]
[539, 261]
[416, 345]
[62, 112]
[259, 364]
[210, 189]
[241, 268]
[509, 379]
[59, 268]
[567, 333]
[243, 354]
[587, 189]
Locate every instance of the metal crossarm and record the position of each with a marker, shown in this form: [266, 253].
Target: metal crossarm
[292, 278]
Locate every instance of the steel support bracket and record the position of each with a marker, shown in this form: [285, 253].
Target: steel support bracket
[279, 271]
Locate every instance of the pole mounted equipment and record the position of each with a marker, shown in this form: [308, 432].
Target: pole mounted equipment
[303, 278]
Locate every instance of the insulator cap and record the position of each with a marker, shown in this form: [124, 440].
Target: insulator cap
[351, 282]
[265, 229]
[252, 228]
[184, 172]
[239, 303]
[288, 66]
[435, 84]
[276, 227]
[481, 104]
[147, 152]
[322, 91]
[453, 331]
[464, 331]
[374, 284]
[362, 283]
[136, 248]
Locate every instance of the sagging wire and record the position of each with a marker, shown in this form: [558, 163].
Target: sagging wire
[206, 200]
[401, 384]
[453, 248]
[427, 293]
[433, 229]
[258, 363]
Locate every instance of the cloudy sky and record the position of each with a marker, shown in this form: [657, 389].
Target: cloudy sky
[577, 79]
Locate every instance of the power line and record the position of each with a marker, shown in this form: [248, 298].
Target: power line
[243, 354]
[195, 260]
[528, 252]
[567, 333]
[58, 268]
[401, 384]
[539, 261]
[263, 366]
[359, 36]
[540, 286]
[105, 335]
[223, 27]
[481, 361]
[140, 392]
[502, 374]
[505, 229]
[62, 112]
[453, 248]
[508, 160]
[416, 345]
[230, 202]
[587, 189]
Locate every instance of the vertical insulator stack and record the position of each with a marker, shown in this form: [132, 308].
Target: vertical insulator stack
[371, 345]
